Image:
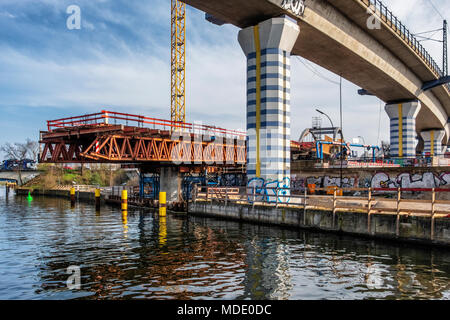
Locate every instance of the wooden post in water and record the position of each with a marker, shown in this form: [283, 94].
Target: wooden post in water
[277, 197]
[369, 209]
[254, 196]
[397, 224]
[334, 204]
[226, 196]
[304, 208]
[433, 204]
[162, 204]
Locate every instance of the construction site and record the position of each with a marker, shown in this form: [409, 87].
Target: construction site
[143, 206]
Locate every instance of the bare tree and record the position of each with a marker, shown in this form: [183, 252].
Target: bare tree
[20, 152]
[33, 149]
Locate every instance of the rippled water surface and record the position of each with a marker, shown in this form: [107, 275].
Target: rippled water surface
[184, 257]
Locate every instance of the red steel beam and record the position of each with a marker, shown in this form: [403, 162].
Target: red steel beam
[125, 148]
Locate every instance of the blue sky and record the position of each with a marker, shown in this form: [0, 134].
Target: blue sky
[120, 60]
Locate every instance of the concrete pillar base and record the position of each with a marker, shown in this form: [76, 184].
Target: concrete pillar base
[170, 182]
[433, 142]
[403, 128]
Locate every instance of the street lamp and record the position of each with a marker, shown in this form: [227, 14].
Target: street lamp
[321, 112]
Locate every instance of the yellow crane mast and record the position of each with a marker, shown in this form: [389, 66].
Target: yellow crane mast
[178, 61]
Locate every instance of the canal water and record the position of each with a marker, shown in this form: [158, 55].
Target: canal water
[139, 256]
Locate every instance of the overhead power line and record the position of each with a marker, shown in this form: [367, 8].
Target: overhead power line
[315, 71]
[435, 9]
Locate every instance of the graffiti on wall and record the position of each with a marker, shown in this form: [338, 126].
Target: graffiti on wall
[407, 180]
[378, 180]
[259, 190]
[300, 183]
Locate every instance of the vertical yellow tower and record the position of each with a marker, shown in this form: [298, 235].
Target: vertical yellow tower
[178, 61]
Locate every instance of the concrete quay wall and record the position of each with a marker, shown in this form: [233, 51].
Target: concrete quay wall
[412, 229]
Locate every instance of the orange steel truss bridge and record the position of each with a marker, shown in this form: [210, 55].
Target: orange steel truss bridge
[113, 137]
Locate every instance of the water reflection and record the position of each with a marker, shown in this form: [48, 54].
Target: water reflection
[138, 254]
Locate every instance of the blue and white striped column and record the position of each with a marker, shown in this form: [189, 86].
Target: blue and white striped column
[267, 47]
[433, 142]
[403, 128]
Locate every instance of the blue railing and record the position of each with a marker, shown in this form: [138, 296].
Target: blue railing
[380, 10]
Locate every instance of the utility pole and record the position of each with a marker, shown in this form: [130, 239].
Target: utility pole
[340, 113]
[445, 53]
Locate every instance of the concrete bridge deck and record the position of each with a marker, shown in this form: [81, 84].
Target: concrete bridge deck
[385, 61]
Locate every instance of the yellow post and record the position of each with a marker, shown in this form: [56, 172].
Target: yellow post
[72, 196]
[162, 204]
[124, 200]
[97, 197]
[125, 222]
[162, 230]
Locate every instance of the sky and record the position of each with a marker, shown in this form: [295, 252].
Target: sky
[120, 61]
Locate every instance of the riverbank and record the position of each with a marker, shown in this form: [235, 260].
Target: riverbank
[85, 196]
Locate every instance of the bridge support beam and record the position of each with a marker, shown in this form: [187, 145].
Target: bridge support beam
[267, 47]
[433, 142]
[403, 128]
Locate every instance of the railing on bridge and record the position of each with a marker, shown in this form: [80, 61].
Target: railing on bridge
[379, 9]
[110, 117]
[336, 199]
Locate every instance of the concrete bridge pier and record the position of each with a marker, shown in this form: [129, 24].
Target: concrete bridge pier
[433, 142]
[170, 180]
[403, 128]
[267, 47]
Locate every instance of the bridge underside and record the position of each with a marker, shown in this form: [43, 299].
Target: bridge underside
[334, 35]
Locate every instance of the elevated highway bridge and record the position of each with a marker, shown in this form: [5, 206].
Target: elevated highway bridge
[361, 40]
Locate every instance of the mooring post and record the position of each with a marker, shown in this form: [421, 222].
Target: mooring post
[226, 196]
[254, 196]
[124, 200]
[72, 196]
[162, 204]
[369, 209]
[397, 224]
[97, 198]
[276, 197]
[334, 204]
[304, 207]
[433, 203]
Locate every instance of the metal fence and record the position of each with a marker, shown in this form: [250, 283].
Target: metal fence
[370, 200]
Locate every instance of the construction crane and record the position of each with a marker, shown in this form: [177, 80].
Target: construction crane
[178, 61]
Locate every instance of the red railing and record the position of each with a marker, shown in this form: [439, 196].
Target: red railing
[110, 117]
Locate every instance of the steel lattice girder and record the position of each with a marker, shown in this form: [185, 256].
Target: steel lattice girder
[120, 148]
